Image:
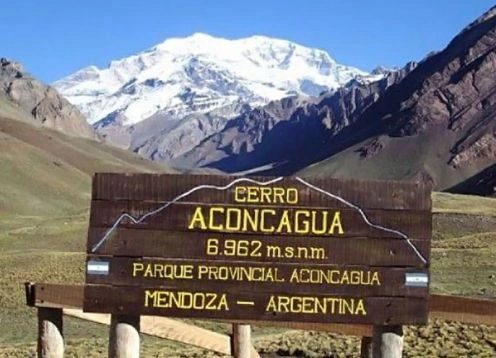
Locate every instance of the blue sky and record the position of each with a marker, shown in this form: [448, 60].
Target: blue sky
[55, 38]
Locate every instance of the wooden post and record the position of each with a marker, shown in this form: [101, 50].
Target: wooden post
[124, 341]
[387, 342]
[50, 333]
[366, 347]
[242, 340]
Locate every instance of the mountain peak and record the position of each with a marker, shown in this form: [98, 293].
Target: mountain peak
[484, 17]
[199, 73]
[195, 43]
[194, 37]
[201, 35]
[381, 70]
[7, 64]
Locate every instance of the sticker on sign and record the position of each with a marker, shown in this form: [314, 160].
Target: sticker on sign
[417, 279]
[97, 268]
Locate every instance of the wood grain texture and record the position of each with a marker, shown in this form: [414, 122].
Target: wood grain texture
[58, 296]
[463, 309]
[178, 217]
[351, 251]
[165, 187]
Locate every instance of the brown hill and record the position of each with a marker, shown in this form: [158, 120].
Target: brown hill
[438, 123]
[40, 102]
[46, 172]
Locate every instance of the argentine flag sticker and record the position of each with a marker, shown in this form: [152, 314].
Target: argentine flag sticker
[416, 279]
[97, 267]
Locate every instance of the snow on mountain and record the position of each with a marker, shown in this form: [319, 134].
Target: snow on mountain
[200, 73]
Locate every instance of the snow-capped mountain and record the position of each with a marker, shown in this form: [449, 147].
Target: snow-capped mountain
[200, 73]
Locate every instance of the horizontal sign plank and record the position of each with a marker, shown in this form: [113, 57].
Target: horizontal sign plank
[262, 277]
[254, 306]
[262, 220]
[229, 189]
[237, 247]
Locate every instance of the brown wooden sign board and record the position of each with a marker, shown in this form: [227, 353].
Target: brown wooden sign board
[259, 248]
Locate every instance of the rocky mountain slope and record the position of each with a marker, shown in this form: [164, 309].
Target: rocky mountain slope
[39, 102]
[291, 128]
[46, 172]
[438, 123]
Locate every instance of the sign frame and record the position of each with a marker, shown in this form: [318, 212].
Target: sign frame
[215, 234]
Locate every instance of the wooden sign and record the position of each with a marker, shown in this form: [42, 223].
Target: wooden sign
[259, 249]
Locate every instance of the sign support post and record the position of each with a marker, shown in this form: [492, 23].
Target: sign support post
[241, 340]
[366, 347]
[387, 342]
[124, 340]
[50, 333]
